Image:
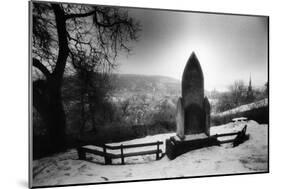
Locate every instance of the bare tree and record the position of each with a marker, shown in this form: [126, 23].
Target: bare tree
[63, 33]
[238, 92]
[125, 107]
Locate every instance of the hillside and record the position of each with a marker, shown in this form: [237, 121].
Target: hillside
[246, 107]
[257, 111]
[132, 84]
[144, 84]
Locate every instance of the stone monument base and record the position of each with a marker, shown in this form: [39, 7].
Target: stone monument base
[190, 137]
[176, 146]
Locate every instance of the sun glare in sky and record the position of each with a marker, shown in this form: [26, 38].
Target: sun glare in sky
[228, 47]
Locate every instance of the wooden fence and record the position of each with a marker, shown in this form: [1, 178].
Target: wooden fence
[109, 156]
[241, 136]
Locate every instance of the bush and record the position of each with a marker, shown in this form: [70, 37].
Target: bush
[161, 127]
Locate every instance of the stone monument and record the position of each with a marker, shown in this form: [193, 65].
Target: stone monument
[193, 109]
[192, 114]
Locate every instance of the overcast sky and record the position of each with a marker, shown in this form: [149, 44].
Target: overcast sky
[229, 47]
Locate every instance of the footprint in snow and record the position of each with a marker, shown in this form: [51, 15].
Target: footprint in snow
[65, 168]
[106, 179]
[76, 162]
[82, 168]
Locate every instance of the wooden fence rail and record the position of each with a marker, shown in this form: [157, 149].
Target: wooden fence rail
[109, 156]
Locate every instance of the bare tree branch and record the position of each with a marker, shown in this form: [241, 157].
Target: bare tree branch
[36, 63]
[79, 15]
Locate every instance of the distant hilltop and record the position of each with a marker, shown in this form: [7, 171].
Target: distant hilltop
[145, 83]
[134, 83]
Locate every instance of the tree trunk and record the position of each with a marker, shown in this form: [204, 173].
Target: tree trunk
[47, 94]
[83, 113]
[92, 111]
[48, 102]
[56, 122]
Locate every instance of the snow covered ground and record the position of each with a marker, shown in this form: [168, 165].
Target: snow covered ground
[251, 156]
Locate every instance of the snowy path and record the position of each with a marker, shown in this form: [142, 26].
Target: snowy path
[251, 156]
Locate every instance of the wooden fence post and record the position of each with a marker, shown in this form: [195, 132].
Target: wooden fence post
[107, 159]
[122, 155]
[81, 153]
[104, 154]
[157, 153]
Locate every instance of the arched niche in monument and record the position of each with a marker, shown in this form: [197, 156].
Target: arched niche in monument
[194, 119]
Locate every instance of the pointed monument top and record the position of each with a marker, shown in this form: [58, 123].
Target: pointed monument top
[191, 65]
[193, 56]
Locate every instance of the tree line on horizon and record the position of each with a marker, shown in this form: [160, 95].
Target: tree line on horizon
[238, 94]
